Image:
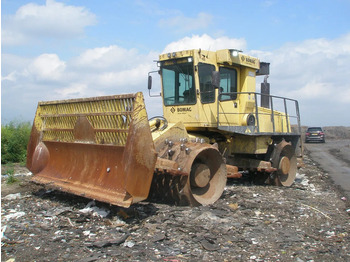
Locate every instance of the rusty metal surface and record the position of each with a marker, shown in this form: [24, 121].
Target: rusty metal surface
[285, 161]
[93, 171]
[253, 164]
[100, 148]
[232, 172]
[195, 173]
[209, 193]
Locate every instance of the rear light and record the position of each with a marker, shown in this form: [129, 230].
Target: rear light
[307, 133]
[321, 133]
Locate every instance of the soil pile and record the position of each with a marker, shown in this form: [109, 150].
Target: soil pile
[331, 132]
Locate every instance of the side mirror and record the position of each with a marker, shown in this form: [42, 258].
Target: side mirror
[215, 79]
[149, 82]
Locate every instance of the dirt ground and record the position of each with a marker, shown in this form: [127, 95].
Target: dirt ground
[309, 221]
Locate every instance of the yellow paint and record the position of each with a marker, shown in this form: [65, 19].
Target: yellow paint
[249, 144]
[109, 116]
[225, 56]
[232, 112]
[205, 117]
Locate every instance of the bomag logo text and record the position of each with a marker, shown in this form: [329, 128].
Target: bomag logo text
[248, 59]
[184, 109]
[181, 110]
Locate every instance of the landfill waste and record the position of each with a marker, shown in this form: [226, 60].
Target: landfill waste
[12, 196]
[308, 221]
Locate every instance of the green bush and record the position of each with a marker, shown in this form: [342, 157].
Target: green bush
[14, 141]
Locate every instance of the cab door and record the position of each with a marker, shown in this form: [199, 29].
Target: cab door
[208, 105]
[228, 104]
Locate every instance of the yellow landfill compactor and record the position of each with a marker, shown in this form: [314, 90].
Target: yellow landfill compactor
[214, 126]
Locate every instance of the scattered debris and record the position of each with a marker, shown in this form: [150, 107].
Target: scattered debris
[91, 208]
[13, 214]
[317, 210]
[12, 196]
[109, 242]
[307, 222]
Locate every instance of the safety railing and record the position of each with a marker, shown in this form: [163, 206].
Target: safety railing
[276, 107]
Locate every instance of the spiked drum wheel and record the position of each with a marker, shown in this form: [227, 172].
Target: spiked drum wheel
[286, 164]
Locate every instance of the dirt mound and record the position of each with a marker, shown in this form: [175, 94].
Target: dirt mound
[331, 132]
[337, 132]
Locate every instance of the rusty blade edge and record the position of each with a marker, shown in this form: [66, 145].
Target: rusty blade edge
[118, 198]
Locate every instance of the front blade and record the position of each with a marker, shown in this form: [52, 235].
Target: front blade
[100, 148]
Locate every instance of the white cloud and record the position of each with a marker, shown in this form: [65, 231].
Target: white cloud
[107, 58]
[312, 90]
[315, 68]
[314, 72]
[205, 42]
[114, 68]
[12, 66]
[134, 76]
[75, 90]
[267, 3]
[10, 77]
[98, 71]
[344, 97]
[183, 24]
[53, 20]
[47, 67]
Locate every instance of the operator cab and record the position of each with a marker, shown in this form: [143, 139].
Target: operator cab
[178, 82]
[208, 90]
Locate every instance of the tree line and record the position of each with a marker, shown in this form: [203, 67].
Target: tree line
[14, 141]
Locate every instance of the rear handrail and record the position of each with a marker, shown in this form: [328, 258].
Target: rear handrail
[257, 114]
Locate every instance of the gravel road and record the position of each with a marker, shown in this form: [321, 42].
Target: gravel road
[334, 158]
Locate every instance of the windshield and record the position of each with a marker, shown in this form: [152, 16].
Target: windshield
[178, 84]
[314, 129]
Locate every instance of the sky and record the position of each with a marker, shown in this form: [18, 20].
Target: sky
[61, 49]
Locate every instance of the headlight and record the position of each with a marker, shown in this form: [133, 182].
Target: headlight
[234, 53]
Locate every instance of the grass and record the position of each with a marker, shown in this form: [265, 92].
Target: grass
[10, 172]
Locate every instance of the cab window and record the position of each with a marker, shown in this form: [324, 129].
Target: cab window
[178, 84]
[228, 84]
[207, 90]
